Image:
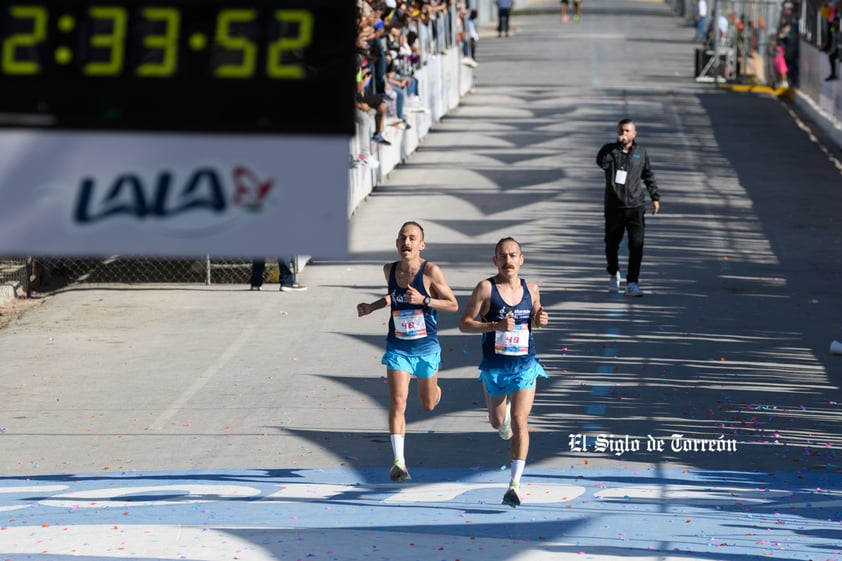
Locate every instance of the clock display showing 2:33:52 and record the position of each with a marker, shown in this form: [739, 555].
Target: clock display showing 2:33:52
[174, 64]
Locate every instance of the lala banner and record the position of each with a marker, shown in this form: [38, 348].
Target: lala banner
[99, 193]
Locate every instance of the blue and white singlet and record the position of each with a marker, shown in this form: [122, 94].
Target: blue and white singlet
[412, 327]
[510, 351]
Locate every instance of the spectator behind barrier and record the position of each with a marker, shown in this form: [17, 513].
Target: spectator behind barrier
[834, 44]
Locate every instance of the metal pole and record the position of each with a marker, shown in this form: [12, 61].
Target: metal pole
[715, 27]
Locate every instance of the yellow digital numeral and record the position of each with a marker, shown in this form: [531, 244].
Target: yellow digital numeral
[10, 63]
[114, 41]
[275, 67]
[231, 42]
[167, 43]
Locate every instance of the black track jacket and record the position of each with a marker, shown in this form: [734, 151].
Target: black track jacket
[611, 158]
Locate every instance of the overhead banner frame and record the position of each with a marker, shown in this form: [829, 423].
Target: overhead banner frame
[184, 127]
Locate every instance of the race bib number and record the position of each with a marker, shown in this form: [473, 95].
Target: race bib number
[512, 343]
[409, 324]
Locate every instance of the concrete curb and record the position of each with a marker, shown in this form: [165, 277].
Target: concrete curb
[830, 126]
[788, 93]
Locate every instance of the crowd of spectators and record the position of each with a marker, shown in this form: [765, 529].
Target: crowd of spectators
[393, 39]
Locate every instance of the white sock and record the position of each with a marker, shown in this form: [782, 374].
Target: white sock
[517, 471]
[397, 447]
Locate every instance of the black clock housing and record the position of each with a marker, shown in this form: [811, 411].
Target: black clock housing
[208, 66]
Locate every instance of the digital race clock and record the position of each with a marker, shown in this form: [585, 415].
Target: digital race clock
[264, 66]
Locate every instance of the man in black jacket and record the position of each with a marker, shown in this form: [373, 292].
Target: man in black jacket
[627, 170]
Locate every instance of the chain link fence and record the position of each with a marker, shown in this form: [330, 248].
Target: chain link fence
[46, 274]
[14, 273]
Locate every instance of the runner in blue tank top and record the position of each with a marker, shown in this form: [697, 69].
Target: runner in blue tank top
[412, 328]
[417, 289]
[505, 308]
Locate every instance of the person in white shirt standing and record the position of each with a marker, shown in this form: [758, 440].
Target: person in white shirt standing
[473, 34]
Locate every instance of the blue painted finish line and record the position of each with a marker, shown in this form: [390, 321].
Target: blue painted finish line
[442, 514]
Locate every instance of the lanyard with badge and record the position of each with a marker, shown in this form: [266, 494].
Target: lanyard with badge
[620, 175]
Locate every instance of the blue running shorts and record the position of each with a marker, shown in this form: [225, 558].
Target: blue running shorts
[424, 366]
[498, 382]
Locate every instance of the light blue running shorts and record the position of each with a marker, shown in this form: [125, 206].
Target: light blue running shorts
[424, 366]
[499, 383]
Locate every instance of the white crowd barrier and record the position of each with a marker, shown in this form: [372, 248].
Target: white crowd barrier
[443, 80]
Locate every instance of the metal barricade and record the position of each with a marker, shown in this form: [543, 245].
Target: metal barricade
[51, 273]
[740, 43]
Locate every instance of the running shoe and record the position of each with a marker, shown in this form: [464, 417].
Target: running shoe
[399, 473]
[511, 497]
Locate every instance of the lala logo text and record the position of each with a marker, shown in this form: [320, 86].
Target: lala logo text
[166, 194]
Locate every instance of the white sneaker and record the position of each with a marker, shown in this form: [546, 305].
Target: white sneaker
[614, 283]
[632, 289]
[368, 161]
